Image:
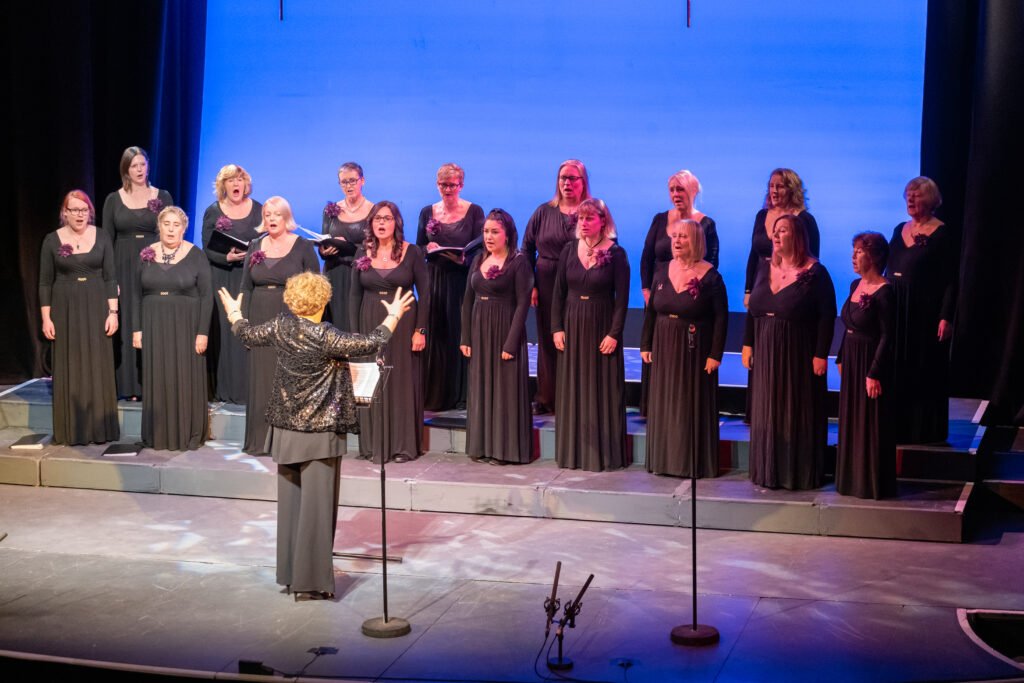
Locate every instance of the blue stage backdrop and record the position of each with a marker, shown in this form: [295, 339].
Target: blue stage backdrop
[509, 89]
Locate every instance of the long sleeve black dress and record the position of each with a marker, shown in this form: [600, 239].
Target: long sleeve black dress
[658, 251]
[77, 287]
[866, 454]
[588, 305]
[547, 232]
[682, 330]
[338, 268]
[761, 244]
[173, 307]
[226, 357]
[445, 368]
[392, 426]
[499, 424]
[789, 417]
[263, 281]
[924, 282]
[130, 230]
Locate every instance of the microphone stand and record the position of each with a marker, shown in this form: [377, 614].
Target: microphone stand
[572, 609]
[694, 633]
[552, 604]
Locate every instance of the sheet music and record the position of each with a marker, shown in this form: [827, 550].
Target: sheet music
[364, 380]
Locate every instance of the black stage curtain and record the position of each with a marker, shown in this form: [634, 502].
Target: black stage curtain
[972, 147]
[85, 79]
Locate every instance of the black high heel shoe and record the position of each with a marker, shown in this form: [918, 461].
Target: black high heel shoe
[304, 596]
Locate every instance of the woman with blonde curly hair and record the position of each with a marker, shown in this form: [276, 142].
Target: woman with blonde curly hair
[233, 213]
[311, 409]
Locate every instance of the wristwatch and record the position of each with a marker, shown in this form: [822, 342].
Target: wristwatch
[422, 330]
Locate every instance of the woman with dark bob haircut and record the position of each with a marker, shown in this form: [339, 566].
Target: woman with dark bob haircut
[311, 409]
[866, 455]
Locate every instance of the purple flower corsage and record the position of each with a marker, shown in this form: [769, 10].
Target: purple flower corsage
[362, 263]
[865, 301]
[804, 276]
[693, 287]
[258, 257]
[602, 257]
[65, 250]
[433, 227]
[148, 255]
[332, 210]
[154, 205]
[921, 240]
[223, 224]
[493, 272]
[570, 220]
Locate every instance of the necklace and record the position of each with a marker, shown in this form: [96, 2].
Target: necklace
[167, 258]
[591, 247]
[353, 209]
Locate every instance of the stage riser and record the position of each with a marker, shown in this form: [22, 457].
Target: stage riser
[182, 475]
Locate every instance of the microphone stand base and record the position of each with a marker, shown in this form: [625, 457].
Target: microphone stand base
[687, 635]
[392, 628]
[559, 663]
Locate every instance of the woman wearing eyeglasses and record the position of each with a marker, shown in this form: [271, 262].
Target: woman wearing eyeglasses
[392, 428]
[451, 222]
[344, 220]
[129, 218]
[550, 228]
[78, 302]
[270, 261]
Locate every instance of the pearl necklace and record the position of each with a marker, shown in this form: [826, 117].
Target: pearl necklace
[353, 209]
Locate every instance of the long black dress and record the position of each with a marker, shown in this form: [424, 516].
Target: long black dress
[866, 454]
[547, 232]
[131, 230]
[173, 306]
[226, 357]
[924, 282]
[588, 305]
[77, 288]
[394, 424]
[263, 285]
[761, 244]
[658, 251]
[682, 331]
[789, 416]
[445, 368]
[498, 417]
[338, 269]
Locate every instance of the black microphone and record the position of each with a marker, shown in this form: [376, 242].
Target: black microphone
[552, 604]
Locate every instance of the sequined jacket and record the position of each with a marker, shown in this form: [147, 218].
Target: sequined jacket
[312, 385]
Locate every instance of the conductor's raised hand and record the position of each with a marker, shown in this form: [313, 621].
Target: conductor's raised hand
[230, 304]
[402, 302]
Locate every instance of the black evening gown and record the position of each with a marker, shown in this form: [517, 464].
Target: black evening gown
[547, 232]
[77, 289]
[499, 422]
[761, 244]
[789, 416]
[682, 331]
[393, 425]
[131, 230]
[588, 305]
[338, 269]
[445, 368]
[173, 306]
[657, 251]
[924, 283]
[227, 359]
[866, 454]
[263, 285]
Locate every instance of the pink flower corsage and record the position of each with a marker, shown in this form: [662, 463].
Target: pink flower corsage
[693, 287]
[332, 210]
[65, 250]
[223, 224]
[433, 227]
[258, 257]
[865, 300]
[602, 257]
[148, 255]
[362, 263]
[154, 205]
[921, 240]
[493, 272]
[804, 276]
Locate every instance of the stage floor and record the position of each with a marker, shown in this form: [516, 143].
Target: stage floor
[188, 583]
